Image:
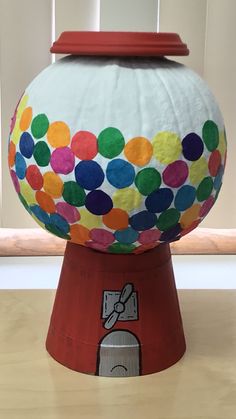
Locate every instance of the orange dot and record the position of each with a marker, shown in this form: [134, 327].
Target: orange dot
[190, 215]
[52, 184]
[45, 201]
[190, 228]
[116, 219]
[58, 134]
[11, 154]
[26, 118]
[79, 234]
[138, 151]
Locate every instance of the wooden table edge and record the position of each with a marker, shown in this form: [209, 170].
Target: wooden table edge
[37, 242]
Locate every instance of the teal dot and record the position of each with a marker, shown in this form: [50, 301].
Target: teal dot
[52, 228]
[110, 142]
[127, 235]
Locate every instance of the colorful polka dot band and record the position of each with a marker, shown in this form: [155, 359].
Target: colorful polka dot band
[110, 193]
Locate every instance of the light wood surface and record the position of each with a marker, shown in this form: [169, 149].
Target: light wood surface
[37, 242]
[200, 386]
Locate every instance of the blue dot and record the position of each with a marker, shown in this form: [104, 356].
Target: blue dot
[60, 222]
[171, 234]
[192, 146]
[159, 200]
[128, 235]
[40, 214]
[89, 174]
[218, 179]
[185, 197]
[26, 145]
[98, 202]
[20, 166]
[120, 173]
[143, 220]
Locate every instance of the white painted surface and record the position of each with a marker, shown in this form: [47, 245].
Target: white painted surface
[191, 272]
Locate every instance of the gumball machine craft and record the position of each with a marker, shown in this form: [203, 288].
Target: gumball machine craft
[119, 151]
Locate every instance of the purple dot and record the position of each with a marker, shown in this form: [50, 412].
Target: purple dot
[102, 236]
[175, 174]
[15, 181]
[149, 236]
[70, 213]
[98, 202]
[62, 160]
[171, 234]
[192, 146]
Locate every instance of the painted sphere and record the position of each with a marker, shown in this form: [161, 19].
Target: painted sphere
[117, 154]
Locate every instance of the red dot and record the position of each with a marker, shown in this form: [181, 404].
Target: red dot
[214, 162]
[84, 145]
[34, 177]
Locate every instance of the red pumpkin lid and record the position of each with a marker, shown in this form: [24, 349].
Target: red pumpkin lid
[120, 44]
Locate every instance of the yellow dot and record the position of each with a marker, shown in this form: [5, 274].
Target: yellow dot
[222, 144]
[138, 151]
[52, 184]
[127, 199]
[190, 215]
[89, 220]
[16, 133]
[198, 170]
[166, 147]
[58, 134]
[27, 192]
[22, 105]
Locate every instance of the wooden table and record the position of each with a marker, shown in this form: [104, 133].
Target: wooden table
[201, 386]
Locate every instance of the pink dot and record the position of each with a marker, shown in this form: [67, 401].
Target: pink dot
[15, 181]
[84, 145]
[175, 174]
[96, 246]
[70, 213]
[207, 205]
[62, 160]
[149, 236]
[102, 236]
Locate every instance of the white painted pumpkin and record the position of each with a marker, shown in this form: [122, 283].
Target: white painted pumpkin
[118, 154]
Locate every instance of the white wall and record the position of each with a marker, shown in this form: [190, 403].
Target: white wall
[208, 27]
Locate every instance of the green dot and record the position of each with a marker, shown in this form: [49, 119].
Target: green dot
[168, 219]
[39, 126]
[73, 194]
[110, 142]
[204, 189]
[210, 135]
[42, 153]
[121, 248]
[148, 180]
[55, 230]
